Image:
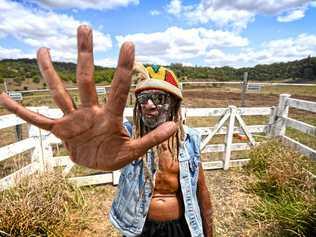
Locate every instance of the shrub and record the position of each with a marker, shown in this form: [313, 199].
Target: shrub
[36, 79]
[42, 205]
[286, 189]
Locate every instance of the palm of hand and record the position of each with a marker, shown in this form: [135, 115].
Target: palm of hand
[93, 133]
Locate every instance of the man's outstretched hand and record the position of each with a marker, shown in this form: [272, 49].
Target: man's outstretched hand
[93, 133]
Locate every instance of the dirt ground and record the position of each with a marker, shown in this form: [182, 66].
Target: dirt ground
[229, 199]
[211, 98]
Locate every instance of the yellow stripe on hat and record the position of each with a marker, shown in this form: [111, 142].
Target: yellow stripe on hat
[159, 75]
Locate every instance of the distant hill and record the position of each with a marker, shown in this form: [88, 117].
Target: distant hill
[23, 74]
[295, 71]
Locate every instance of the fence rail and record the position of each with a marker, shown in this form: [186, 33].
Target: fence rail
[253, 83]
[282, 121]
[16, 148]
[302, 104]
[40, 142]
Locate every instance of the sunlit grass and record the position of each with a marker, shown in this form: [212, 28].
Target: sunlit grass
[42, 205]
[287, 191]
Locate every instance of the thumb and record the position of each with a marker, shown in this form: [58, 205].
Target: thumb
[155, 137]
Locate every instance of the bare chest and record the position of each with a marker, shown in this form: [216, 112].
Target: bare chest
[167, 177]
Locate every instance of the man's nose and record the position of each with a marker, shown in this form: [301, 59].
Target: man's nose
[150, 104]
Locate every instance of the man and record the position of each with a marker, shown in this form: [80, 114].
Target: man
[157, 193]
[162, 189]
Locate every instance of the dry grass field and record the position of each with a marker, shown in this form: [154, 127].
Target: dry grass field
[228, 189]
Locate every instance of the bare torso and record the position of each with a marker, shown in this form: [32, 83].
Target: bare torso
[166, 202]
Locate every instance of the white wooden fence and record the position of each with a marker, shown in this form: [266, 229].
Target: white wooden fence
[282, 121]
[240, 82]
[40, 142]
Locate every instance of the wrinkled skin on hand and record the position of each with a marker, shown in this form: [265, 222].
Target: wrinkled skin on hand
[93, 132]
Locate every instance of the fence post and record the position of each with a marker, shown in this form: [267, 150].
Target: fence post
[43, 153]
[116, 176]
[183, 114]
[244, 88]
[229, 136]
[269, 132]
[181, 86]
[282, 111]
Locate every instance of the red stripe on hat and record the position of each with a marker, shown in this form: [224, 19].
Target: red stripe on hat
[169, 78]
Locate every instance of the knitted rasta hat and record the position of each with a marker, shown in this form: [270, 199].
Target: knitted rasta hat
[139, 73]
[159, 78]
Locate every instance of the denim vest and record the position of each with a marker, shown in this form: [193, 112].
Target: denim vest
[131, 204]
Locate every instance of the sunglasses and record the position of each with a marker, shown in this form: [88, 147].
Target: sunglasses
[156, 98]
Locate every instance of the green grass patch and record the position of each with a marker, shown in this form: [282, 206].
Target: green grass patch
[287, 191]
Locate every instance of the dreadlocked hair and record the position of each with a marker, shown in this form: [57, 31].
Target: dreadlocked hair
[173, 142]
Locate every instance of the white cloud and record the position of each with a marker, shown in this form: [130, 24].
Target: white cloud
[151, 60]
[260, 6]
[237, 14]
[13, 53]
[301, 45]
[232, 18]
[155, 12]
[106, 62]
[281, 50]
[292, 16]
[86, 4]
[176, 44]
[40, 28]
[174, 7]
[186, 64]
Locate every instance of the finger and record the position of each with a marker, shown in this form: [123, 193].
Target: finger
[27, 115]
[155, 137]
[122, 80]
[57, 89]
[85, 67]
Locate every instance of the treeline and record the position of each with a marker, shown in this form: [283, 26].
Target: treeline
[298, 70]
[20, 70]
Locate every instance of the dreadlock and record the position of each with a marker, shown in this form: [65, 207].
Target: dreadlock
[173, 141]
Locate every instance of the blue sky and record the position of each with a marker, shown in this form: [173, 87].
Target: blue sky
[211, 33]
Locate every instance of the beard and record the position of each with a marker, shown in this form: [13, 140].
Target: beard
[164, 115]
